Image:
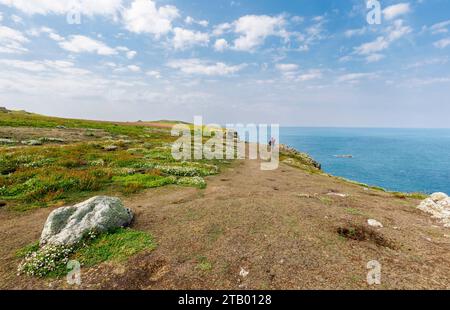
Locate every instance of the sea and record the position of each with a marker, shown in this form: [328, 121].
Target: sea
[405, 160]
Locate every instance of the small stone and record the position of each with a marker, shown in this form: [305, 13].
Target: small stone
[32, 142]
[243, 273]
[110, 148]
[337, 194]
[374, 223]
[7, 141]
[2, 203]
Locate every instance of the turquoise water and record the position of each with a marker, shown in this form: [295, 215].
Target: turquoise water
[407, 160]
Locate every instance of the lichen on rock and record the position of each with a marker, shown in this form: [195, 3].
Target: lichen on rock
[68, 225]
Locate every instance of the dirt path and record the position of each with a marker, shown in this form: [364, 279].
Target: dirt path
[279, 226]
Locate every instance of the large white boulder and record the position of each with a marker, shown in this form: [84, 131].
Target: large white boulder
[436, 197]
[68, 225]
[438, 205]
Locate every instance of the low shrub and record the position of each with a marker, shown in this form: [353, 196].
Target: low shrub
[192, 181]
[144, 180]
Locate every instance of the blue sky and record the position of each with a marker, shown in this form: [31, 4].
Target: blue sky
[305, 63]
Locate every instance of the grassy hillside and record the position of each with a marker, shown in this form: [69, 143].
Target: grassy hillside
[289, 228]
[47, 161]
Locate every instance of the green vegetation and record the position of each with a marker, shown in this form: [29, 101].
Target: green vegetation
[204, 264]
[326, 200]
[145, 180]
[117, 246]
[25, 119]
[131, 159]
[420, 196]
[192, 181]
[354, 211]
[51, 260]
[299, 160]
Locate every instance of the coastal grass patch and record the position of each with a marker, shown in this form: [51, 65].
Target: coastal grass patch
[326, 200]
[25, 119]
[144, 180]
[41, 176]
[116, 246]
[198, 182]
[354, 211]
[51, 261]
[419, 196]
[203, 264]
[129, 158]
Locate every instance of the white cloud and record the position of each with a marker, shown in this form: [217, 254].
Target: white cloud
[428, 62]
[355, 32]
[440, 27]
[254, 29]
[49, 31]
[197, 66]
[290, 72]
[374, 57]
[60, 7]
[287, 67]
[1, 16]
[16, 19]
[23, 65]
[128, 53]
[144, 17]
[45, 66]
[355, 77]
[310, 75]
[190, 21]
[372, 47]
[11, 41]
[442, 43]
[220, 45]
[221, 29]
[83, 44]
[396, 10]
[153, 73]
[393, 33]
[313, 33]
[131, 54]
[184, 38]
[134, 68]
[397, 30]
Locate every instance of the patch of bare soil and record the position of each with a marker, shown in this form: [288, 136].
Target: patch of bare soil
[282, 227]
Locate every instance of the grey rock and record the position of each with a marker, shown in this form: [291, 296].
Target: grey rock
[7, 141]
[68, 225]
[110, 148]
[32, 142]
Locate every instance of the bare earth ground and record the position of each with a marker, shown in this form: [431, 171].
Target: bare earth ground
[280, 226]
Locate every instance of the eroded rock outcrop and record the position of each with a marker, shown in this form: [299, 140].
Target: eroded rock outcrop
[438, 205]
